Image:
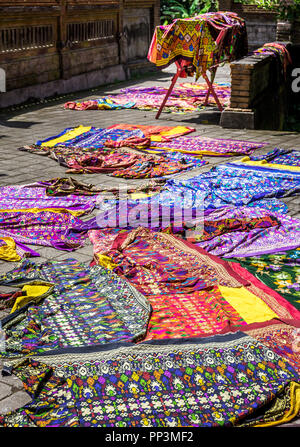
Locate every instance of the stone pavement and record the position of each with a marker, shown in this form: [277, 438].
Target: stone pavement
[25, 125]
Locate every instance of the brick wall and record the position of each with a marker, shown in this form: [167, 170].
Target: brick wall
[261, 25]
[259, 95]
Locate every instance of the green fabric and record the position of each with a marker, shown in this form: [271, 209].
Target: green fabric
[279, 271]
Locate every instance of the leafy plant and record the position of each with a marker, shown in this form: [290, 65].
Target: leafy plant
[176, 9]
[285, 9]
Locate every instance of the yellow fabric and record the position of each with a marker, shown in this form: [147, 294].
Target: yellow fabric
[67, 136]
[38, 210]
[294, 409]
[250, 307]
[105, 261]
[140, 195]
[32, 292]
[8, 251]
[265, 164]
[169, 133]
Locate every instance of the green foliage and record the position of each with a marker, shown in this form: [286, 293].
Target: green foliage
[285, 9]
[182, 9]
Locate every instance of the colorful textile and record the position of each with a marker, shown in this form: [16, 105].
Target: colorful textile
[204, 40]
[119, 162]
[161, 263]
[88, 306]
[86, 152]
[228, 380]
[199, 145]
[187, 97]
[133, 142]
[228, 184]
[280, 271]
[104, 103]
[156, 133]
[52, 229]
[176, 278]
[281, 336]
[81, 136]
[195, 314]
[282, 307]
[65, 186]
[247, 231]
[30, 198]
[8, 249]
[277, 50]
[286, 159]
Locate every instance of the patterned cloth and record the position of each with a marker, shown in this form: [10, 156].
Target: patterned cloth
[187, 97]
[51, 229]
[281, 337]
[86, 153]
[176, 277]
[88, 306]
[286, 159]
[229, 184]
[229, 380]
[247, 231]
[161, 263]
[280, 271]
[199, 145]
[82, 136]
[203, 41]
[27, 198]
[104, 103]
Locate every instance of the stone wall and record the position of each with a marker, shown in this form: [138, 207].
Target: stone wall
[54, 47]
[259, 94]
[261, 25]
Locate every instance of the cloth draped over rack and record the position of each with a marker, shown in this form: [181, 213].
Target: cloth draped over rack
[203, 41]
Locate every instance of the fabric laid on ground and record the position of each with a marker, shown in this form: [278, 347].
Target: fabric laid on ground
[228, 380]
[82, 136]
[30, 198]
[280, 336]
[86, 306]
[9, 250]
[286, 159]
[156, 133]
[63, 186]
[86, 152]
[248, 231]
[186, 287]
[280, 271]
[229, 184]
[227, 231]
[119, 162]
[60, 230]
[187, 97]
[199, 145]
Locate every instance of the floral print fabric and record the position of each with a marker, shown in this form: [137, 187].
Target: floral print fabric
[280, 271]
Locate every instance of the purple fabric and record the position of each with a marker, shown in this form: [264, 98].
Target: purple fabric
[256, 242]
[58, 230]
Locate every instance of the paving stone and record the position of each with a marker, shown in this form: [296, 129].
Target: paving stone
[15, 401]
[12, 381]
[5, 390]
